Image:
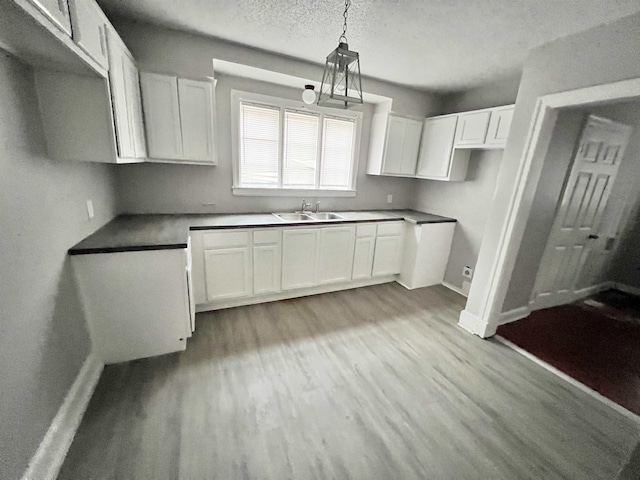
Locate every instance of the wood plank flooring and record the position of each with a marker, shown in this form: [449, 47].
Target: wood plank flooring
[372, 383]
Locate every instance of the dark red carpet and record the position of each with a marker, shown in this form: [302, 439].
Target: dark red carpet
[598, 351]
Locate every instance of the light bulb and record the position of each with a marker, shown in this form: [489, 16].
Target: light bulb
[308, 94]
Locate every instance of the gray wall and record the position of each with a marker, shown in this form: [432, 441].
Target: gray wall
[500, 92]
[42, 213]
[468, 202]
[172, 188]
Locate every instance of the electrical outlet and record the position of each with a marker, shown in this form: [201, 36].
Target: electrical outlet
[467, 272]
[389, 198]
[90, 211]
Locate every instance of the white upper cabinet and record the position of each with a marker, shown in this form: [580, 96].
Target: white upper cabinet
[437, 157]
[125, 94]
[89, 29]
[472, 128]
[394, 145]
[57, 11]
[499, 126]
[178, 118]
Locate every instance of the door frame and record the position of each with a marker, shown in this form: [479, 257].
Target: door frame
[543, 121]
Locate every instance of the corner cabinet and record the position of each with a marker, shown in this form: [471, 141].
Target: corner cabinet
[394, 145]
[179, 119]
[93, 118]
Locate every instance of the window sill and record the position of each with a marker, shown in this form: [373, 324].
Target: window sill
[290, 192]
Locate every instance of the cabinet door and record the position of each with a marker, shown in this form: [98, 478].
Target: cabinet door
[392, 157]
[266, 268]
[387, 259]
[436, 147]
[228, 272]
[335, 258]
[57, 11]
[89, 29]
[161, 115]
[410, 147]
[499, 126]
[472, 128]
[363, 257]
[299, 255]
[196, 118]
[136, 123]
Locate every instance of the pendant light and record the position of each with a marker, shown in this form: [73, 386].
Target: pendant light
[341, 84]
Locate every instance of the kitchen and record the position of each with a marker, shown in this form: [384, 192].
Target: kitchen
[143, 189]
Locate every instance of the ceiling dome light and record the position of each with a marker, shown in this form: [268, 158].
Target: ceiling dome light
[309, 94]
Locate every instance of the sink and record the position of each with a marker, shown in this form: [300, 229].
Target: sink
[294, 217]
[326, 216]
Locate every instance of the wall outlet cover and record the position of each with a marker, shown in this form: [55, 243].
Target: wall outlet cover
[389, 198]
[467, 272]
[90, 211]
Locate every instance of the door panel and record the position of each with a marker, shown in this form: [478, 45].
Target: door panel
[299, 254]
[228, 272]
[596, 161]
[335, 259]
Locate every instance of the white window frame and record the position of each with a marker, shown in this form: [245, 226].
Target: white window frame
[283, 104]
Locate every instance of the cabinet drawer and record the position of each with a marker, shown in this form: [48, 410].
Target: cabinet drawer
[390, 228]
[261, 237]
[366, 230]
[226, 239]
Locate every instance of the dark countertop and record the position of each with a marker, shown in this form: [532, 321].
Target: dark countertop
[159, 232]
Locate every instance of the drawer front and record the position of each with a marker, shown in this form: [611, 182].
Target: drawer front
[261, 237]
[390, 228]
[366, 230]
[226, 239]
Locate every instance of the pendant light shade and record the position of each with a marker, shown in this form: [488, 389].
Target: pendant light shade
[341, 83]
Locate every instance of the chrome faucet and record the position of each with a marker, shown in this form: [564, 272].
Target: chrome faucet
[317, 210]
[305, 205]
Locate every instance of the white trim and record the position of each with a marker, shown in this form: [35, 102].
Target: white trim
[458, 290]
[557, 300]
[490, 300]
[623, 287]
[46, 462]
[290, 192]
[470, 322]
[286, 294]
[513, 315]
[581, 386]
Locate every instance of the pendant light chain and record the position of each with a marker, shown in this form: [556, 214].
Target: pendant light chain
[347, 4]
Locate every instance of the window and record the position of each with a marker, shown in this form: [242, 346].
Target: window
[284, 149]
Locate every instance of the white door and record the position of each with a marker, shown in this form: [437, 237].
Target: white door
[472, 128]
[394, 145]
[499, 126]
[196, 118]
[161, 115]
[299, 254]
[410, 147]
[134, 113]
[118, 63]
[89, 29]
[598, 156]
[436, 147]
[228, 272]
[335, 258]
[363, 257]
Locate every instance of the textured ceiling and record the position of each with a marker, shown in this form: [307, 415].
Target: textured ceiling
[429, 44]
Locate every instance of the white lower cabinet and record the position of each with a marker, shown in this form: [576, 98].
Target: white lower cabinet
[227, 264]
[363, 251]
[387, 258]
[335, 257]
[299, 257]
[137, 303]
[267, 259]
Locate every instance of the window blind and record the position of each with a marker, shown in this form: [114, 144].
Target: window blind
[337, 153]
[300, 149]
[259, 144]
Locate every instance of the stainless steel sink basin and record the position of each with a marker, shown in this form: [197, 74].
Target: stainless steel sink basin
[326, 216]
[294, 217]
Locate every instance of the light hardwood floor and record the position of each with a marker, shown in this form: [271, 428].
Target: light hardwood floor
[372, 383]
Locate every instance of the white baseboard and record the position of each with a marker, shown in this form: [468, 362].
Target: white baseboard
[468, 322]
[618, 408]
[513, 315]
[626, 288]
[48, 459]
[454, 288]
